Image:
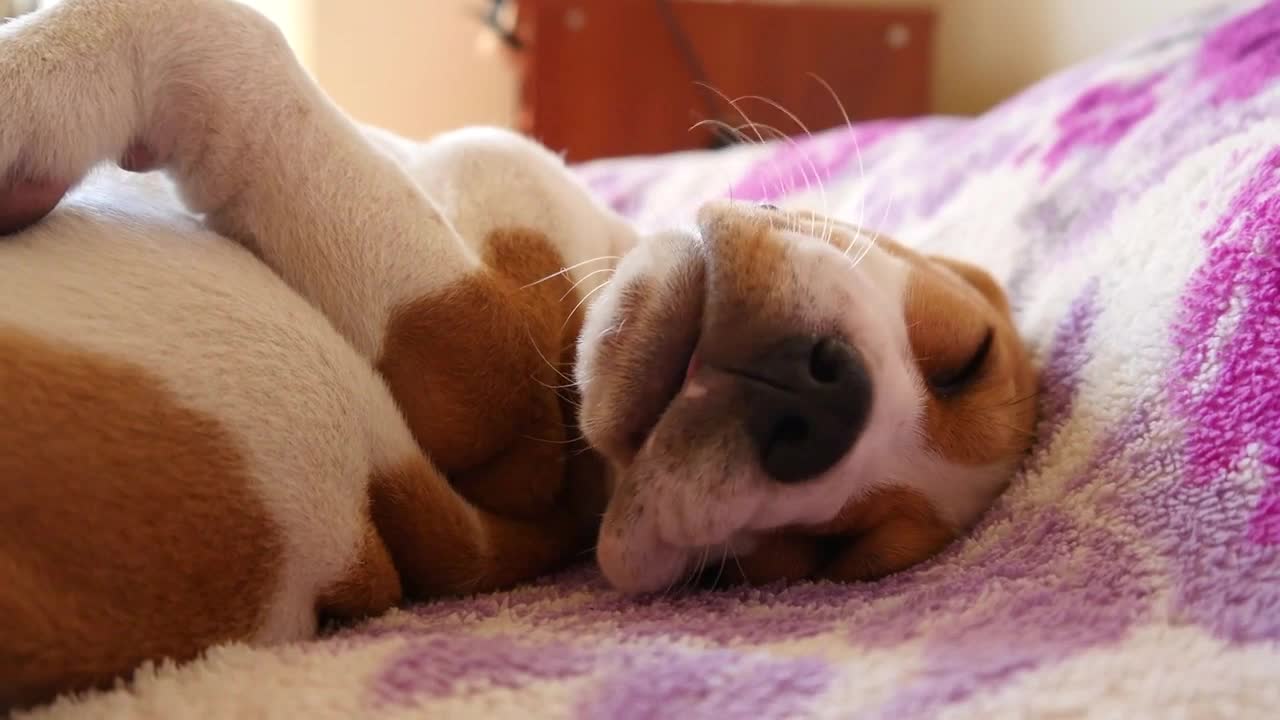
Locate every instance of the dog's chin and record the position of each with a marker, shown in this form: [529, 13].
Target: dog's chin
[685, 500]
[637, 567]
[637, 560]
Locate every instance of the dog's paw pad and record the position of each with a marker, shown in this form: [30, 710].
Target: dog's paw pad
[25, 203]
[139, 157]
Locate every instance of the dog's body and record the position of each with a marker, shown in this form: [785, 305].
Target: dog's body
[198, 443]
[232, 399]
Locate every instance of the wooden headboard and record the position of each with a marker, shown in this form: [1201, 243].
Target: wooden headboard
[618, 77]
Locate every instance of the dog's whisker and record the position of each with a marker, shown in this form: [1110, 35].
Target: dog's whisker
[697, 573]
[554, 442]
[795, 220]
[581, 302]
[853, 137]
[884, 218]
[1017, 401]
[857, 147]
[870, 245]
[800, 124]
[550, 364]
[804, 128]
[737, 132]
[565, 270]
[612, 329]
[585, 278]
[779, 135]
[724, 557]
[807, 159]
[549, 386]
[741, 570]
[777, 170]
[1029, 434]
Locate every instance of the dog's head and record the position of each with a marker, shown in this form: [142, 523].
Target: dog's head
[780, 374]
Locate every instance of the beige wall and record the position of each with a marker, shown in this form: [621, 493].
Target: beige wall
[422, 66]
[416, 66]
[988, 49]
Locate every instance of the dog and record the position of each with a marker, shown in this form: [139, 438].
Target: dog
[306, 370]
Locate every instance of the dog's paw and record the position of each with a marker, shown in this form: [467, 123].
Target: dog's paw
[483, 374]
[144, 84]
[25, 201]
[479, 398]
[70, 99]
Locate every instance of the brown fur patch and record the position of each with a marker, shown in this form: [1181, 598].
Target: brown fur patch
[885, 532]
[482, 373]
[751, 289]
[993, 417]
[128, 526]
[370, 587]
[891, 529]
[780, 556]
[442, 545]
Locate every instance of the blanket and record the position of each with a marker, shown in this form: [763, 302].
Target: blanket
[1131, 205]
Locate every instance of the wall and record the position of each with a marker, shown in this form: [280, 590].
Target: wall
[422, 66]
[988, 49]
[296, 19]
[415, 66]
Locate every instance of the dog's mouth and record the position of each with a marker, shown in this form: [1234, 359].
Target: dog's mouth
[667, 365]
[640, 346]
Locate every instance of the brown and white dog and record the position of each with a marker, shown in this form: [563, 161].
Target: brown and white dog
[313, 370]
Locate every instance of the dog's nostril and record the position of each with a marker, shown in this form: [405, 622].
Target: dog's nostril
[808, 400]
[827, 361]
[791, 430]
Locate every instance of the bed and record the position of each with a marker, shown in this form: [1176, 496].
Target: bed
[1131, 205]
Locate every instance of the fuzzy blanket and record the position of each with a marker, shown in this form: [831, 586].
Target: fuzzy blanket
[1132, 207]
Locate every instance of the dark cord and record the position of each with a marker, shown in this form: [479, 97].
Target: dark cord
[696, 69]
[492, 18]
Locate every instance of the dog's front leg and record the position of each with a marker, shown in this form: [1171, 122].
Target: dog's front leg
[209, 91]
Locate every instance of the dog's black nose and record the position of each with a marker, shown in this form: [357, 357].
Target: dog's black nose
[808, 399]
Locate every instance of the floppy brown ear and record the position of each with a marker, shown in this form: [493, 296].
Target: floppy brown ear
[980, 279]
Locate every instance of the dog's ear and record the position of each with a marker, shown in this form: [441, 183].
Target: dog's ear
[980, 279]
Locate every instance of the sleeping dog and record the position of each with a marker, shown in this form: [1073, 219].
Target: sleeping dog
[311, 370]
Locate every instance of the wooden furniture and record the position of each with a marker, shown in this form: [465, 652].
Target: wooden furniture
[606, 78]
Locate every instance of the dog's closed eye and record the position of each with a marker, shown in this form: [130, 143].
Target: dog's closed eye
[951, 380]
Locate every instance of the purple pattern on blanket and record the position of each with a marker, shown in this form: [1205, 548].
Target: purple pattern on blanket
[1228, 389]
[440, 665]
[655, 684]
[942, 168]
[1242, 57]
[641, 682]
[1102, 116]
[1051, 606]
[1060, 376]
